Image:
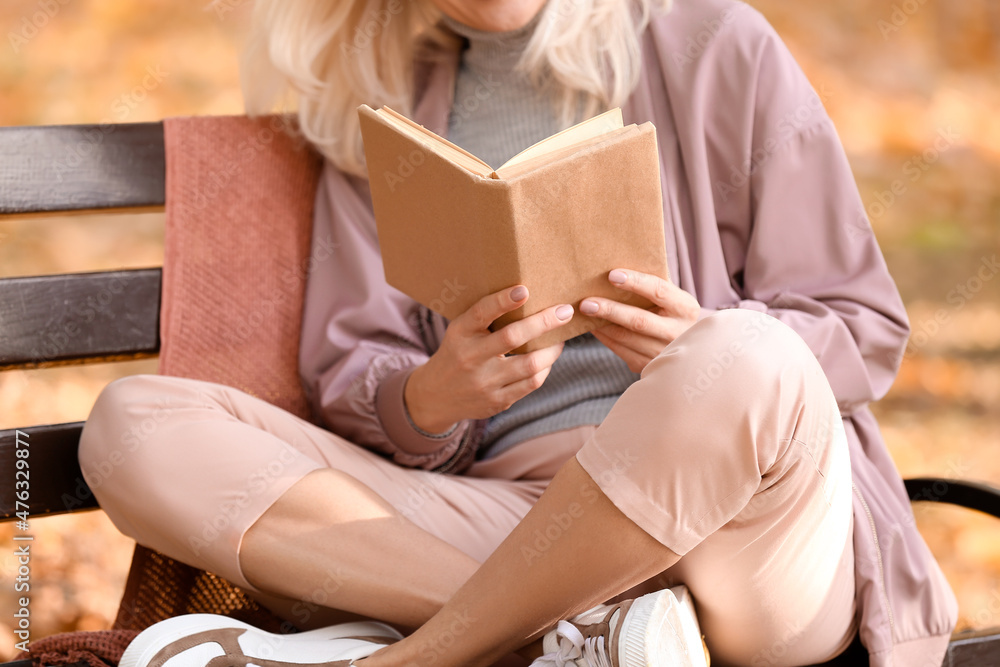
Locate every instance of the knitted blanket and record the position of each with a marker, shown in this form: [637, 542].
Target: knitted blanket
[239, 202]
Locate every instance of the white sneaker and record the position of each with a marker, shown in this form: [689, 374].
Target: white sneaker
[655, 630]
[203, 640]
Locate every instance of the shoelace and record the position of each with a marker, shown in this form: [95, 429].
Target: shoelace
[573, 647]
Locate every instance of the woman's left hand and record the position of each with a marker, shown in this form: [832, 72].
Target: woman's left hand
[635, 334]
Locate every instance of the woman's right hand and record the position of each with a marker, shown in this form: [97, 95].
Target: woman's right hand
[469, 377]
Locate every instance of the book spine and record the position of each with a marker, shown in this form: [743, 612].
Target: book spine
[582, 215]
[499, 262]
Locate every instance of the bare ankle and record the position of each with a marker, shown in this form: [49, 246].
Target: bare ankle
[531, 651]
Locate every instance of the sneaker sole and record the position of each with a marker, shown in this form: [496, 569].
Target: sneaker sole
[310, 647]
[662, 629]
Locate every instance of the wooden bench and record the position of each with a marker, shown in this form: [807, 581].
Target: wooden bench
[69, 319]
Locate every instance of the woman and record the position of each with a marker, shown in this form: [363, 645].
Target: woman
[721, 441]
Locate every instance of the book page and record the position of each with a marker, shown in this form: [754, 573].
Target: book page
[583, 132]
[425, 137]
[511, 172]
[588, 129]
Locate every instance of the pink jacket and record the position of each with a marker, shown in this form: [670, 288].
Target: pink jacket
[761, 212]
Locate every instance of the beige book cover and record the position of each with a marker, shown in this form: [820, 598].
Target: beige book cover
[557, 217]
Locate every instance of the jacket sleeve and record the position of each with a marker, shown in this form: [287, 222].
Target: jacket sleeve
[362, 338]
[811, 258]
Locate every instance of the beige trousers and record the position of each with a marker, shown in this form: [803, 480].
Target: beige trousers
[730, 450]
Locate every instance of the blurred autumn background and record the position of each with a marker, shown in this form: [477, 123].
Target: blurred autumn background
[913, 87]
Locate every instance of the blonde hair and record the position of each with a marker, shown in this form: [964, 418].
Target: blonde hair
[326, 57]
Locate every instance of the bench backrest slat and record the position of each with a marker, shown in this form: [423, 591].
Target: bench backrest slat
[81, 167]
[73, 318]
[55, 483]
[79, 317]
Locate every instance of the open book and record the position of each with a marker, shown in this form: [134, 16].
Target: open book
[556, 217]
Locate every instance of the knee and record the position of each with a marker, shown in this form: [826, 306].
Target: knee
[742, 376]
[751, 337]
[125, 414]
[735, 351]
[127, 400]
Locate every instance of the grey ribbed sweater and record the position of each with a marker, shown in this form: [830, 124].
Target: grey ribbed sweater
[496, 114]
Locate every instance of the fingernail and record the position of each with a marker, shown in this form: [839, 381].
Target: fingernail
[617, 276]
[564, 312]
[519, 293]
[589, 307]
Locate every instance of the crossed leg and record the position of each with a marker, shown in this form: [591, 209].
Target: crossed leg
[743, 480]
[744, 462]
[751, 483]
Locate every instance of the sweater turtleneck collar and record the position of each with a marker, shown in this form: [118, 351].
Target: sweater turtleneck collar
[493, 51]
[496, 111]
